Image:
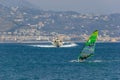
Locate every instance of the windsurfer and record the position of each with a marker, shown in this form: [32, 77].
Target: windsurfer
[89, 47]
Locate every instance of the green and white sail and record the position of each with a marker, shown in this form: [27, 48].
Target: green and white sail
[89, 47]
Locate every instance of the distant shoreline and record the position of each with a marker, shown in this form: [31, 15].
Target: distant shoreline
[27, 42]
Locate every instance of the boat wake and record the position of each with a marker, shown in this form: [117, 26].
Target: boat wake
[42, 45]
[50, 46]
[69, 45]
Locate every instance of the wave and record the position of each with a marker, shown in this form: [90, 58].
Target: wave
[49, 46]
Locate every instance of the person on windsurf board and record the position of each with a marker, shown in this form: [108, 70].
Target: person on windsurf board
[89, 47]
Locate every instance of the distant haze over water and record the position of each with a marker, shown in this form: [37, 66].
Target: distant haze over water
[82, 6]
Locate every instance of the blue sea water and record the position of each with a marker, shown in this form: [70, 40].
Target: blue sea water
[27, 62]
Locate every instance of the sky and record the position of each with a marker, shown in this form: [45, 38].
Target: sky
[82, 6]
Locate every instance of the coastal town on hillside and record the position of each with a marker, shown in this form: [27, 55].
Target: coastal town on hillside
[31, 38]
[28, 25]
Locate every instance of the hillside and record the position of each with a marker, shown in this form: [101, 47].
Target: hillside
[16, 19]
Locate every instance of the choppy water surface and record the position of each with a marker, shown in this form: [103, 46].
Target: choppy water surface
[33, 62]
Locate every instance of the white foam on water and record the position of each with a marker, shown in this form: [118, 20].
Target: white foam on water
[100, 61]
[73, 61]
[49, 46]
[69, 45]
[96, 61]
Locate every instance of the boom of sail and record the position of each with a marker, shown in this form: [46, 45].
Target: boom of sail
[89, 47]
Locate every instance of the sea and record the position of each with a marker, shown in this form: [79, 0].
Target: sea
[46, 62]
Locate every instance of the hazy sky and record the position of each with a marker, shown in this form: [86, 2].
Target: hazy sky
[82, 6]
